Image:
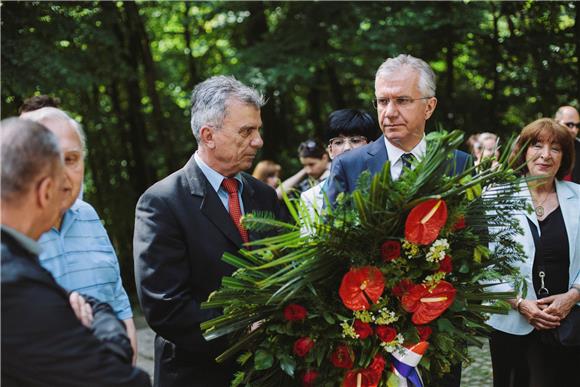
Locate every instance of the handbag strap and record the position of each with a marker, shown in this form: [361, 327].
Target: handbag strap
[539, 259]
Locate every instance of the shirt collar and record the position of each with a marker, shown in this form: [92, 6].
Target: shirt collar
[214, 177]
[26, 242]
[394, 153]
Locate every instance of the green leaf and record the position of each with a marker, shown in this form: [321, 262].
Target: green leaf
[287, 364]
[328, 318]
[263, 360]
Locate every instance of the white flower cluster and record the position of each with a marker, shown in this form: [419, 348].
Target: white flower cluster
[392, 346]
[437, 251]
[386, 317]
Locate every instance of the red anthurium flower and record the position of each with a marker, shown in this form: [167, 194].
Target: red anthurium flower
[359, 286]
[386, 333]
[295, 312]
[402, 287]
[459, 224]
[446, 265]
[391, 250]
[427, 305]
[309, 378]
[424, 332]
[342, 357]
[303, 345]
[363, 330]
[425, 221]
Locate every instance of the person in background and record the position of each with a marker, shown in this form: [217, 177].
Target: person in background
[347, 129]
[268, 172]
[551, 271]
[489, 148]
[569, 117]
[76, 249]
[188, 220]
[38, 102]
[49, 337]
[474, 146]
[316, 163]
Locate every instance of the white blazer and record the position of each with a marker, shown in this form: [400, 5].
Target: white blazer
[569, 199]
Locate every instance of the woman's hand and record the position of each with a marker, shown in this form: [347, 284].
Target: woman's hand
[538, 318]
[559, 305]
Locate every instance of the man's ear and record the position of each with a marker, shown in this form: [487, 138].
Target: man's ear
[45, 192]
[430, 107]
[206, 134]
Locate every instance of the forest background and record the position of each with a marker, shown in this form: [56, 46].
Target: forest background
[125, 70]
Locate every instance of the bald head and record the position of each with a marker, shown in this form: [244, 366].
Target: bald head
[569, 117]
[71, 140]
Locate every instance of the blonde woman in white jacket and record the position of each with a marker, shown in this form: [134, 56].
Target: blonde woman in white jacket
[551, 269]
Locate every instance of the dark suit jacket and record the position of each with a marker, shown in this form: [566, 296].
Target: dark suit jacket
[347, 167]
[182, 230]
[43, 343]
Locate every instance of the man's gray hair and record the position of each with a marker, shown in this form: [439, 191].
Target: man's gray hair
[28, 149]
[49, 112]
[210, 99]
[427, 79]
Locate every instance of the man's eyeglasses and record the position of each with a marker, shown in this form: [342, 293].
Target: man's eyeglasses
[341, 141]
[572, 124]
[398, 101]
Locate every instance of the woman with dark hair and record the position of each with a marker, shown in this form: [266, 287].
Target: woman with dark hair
[268, 172]
[520, 353]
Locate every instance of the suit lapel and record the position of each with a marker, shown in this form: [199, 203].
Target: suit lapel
[211, 205]
[377, 152]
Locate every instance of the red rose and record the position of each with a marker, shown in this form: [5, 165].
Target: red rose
[424, 332]
[309, 378]
[386, 333]
[295, 312]
[378, 364]
[459, 224]
[363, 330]
[368, 378]
[425, 221]
[341, 357]
[390, 250]
[303, 345]
[446, 265]
[360, 285]
[402, 287]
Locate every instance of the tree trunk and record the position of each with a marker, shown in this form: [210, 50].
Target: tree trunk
[141, 41]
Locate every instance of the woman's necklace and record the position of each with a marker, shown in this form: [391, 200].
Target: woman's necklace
[539, 208]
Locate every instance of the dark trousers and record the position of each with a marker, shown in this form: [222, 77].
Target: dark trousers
[522, 361]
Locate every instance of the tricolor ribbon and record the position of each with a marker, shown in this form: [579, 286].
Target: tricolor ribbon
[405, 360]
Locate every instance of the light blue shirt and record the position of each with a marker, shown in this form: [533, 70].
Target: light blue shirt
[215, 180]
[81, 258]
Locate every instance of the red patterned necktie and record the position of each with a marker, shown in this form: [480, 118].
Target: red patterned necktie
[231, 186]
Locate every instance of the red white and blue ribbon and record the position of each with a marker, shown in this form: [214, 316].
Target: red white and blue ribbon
[404, 364]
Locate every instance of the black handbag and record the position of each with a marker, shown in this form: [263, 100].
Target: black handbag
[568, 333]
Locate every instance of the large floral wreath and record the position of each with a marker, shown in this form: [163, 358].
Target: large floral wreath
[387, 287]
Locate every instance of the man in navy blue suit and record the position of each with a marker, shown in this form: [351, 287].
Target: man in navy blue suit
[405, 100]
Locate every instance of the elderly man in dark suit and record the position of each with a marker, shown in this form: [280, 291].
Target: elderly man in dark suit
[185, 222]
[569, 117]
[405, 100]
